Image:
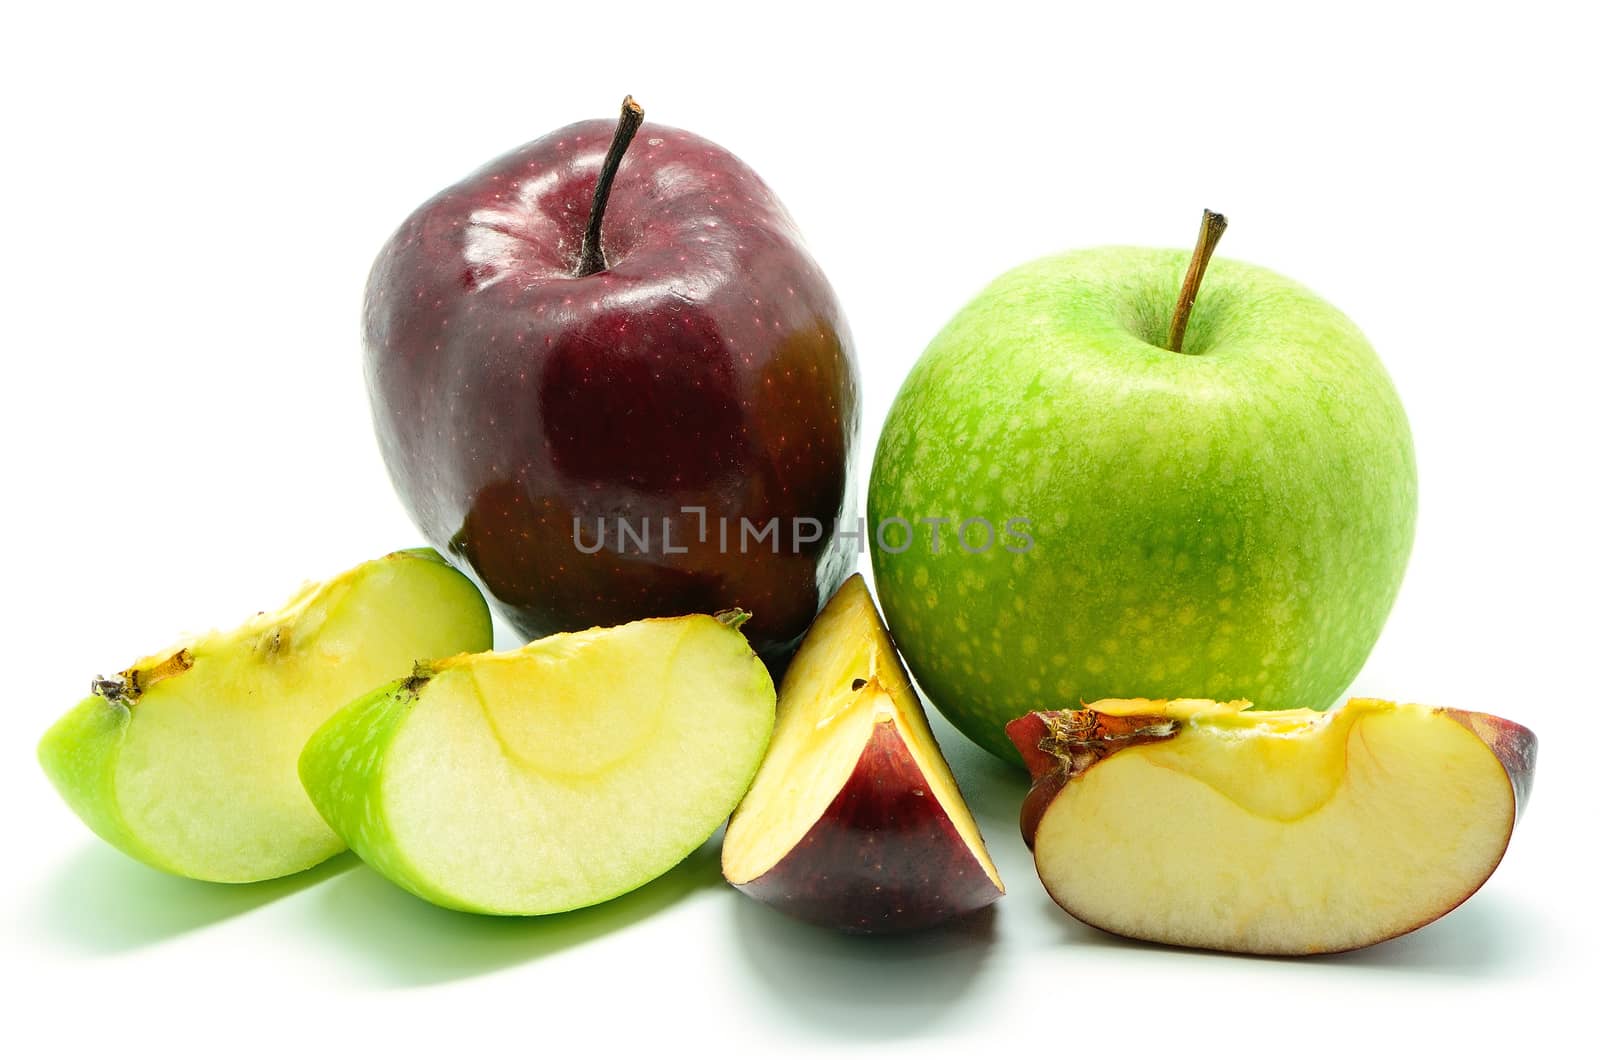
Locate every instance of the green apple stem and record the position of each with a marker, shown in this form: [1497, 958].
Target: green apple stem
[592, 258]
[1212, 226]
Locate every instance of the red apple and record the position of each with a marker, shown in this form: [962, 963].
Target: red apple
[595, 330]
[1287, 832]
[854, 821]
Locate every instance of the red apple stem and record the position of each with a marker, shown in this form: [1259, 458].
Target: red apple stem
[592, 258]
[1212, 225]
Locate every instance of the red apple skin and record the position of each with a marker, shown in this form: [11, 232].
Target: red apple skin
[1028, 733]
[708, 366]
[884, 858]
[1514, 745]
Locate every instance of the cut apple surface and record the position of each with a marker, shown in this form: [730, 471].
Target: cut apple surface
[1215, 826]
[855, 821]
[187, 759]
[565, 773]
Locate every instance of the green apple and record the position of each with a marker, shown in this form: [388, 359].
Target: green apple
[186, 760]
[570, 771]
[1231, 521]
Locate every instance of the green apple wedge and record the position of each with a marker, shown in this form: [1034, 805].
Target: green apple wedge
[1225, 516]
[187, 759]
[556, 776]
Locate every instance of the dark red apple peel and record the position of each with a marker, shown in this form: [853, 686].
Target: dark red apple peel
[875, 840]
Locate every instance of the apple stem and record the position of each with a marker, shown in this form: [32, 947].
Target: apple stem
[592, 258]
[1212, 225]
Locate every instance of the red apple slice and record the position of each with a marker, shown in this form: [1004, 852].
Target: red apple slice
[1214, 826]
[854, 821]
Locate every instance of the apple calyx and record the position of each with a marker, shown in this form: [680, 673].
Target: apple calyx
[732, 617]
[1059, 745]
[1074, 740]
[421, 674]
[125, 689]
[1212, 225]
[591, 256]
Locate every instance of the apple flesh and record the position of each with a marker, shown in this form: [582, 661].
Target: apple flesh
[186, 760]
[562, 774]
[1215, 826]
[524, 405]
[854, 821]
[1232, 520]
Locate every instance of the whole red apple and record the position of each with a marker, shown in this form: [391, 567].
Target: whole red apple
[607, 377]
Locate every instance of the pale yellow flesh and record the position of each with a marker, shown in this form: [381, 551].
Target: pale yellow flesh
[574, 769]
[206, 775]
[1280, 832]
[823, 727]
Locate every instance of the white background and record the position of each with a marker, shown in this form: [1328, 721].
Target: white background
[192, 198]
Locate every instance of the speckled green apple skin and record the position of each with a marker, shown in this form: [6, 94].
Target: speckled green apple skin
[342, 769]
[1228, 522]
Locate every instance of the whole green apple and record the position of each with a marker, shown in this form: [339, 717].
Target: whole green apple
[1064, 509]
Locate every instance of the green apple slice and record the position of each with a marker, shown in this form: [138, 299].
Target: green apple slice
[565, 773]
[186, 760]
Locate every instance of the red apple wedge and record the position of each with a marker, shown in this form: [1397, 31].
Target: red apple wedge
[1214, 826]
[854, 821]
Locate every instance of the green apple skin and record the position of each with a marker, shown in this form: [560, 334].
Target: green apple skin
[1230, 522]
[341, 769]
[79, 754]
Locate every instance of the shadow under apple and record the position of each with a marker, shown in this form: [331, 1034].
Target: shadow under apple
[101, 902]
[856, 987]
[1485, 938]
[399, 940]
[993, 788]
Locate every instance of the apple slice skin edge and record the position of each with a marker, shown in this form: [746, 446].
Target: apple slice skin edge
[873, 845]
[341, 769]
[1514, 746]
[79, 755]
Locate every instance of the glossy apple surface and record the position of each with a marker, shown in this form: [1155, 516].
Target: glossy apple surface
[708, 366]
[1214, 826]
[855, 821]
[1230, 521]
